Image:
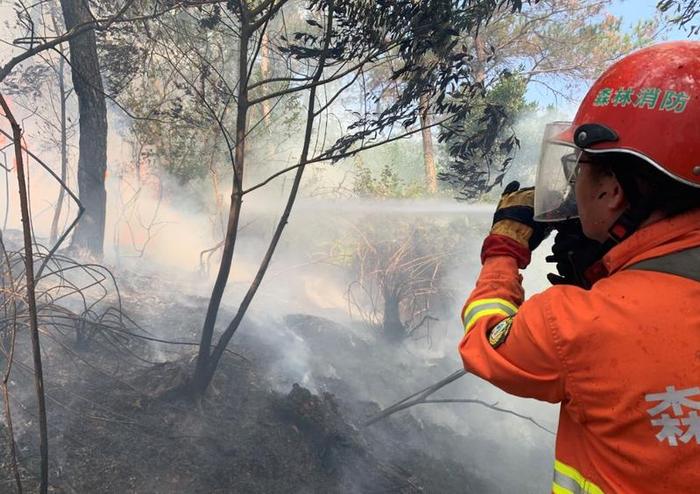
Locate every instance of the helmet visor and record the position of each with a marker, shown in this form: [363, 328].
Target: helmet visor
[556, 172]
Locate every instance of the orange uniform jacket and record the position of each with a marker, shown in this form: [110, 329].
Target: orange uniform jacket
[623, 359]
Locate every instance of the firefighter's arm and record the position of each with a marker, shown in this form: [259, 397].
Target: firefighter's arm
[507, 342]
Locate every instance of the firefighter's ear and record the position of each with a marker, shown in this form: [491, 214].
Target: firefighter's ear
[611, 194]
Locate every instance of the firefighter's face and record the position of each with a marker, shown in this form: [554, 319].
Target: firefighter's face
[599, 198]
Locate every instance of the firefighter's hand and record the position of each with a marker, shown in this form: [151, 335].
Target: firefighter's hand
[573, 254]
[514, 231]
[514, 217]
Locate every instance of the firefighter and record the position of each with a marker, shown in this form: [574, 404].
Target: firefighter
[616, 341]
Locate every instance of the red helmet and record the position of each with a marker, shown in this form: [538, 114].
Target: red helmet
[648, 105]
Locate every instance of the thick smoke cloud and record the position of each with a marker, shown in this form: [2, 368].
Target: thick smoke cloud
[306, 279]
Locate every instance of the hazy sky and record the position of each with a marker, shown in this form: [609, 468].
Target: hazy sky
[631, 11]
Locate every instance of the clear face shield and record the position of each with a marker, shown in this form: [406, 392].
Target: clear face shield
[556, 172]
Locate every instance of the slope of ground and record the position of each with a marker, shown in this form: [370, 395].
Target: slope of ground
[116, 428]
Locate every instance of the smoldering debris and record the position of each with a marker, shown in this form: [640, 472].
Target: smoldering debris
[256, 431]
[285, 413]
[122, 436]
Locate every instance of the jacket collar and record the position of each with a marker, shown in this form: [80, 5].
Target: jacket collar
[662, 237]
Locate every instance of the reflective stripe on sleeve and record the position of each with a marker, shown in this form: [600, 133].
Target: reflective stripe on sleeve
[486, 307]
[568, 480]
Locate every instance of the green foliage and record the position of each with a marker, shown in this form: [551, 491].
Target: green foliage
[386, 185]
[394, 170]
[485, 137]
[121, 56]
[421, 43]
[682, 12]
[29, 82]
[179, 154]
[559, 44]
[507, 94]
[177, 138]
[179, 75]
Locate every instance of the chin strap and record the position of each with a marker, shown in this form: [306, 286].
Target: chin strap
[628, 223]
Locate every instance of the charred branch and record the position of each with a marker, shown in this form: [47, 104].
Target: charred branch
[31, 296]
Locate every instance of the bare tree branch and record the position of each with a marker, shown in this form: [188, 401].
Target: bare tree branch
[421, 398]
[96, 24]
[416, 398]
[31, 300]
[262, 269]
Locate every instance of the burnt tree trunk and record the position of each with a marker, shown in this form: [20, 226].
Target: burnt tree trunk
[31, 299]
[204, 369]
[92, 161]
[208, 357]
[63, 95]
[392, 327]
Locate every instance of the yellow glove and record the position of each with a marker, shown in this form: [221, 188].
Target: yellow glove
[514, 232]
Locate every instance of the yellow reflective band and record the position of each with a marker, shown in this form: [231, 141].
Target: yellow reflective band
[557, 489]
[476, 304]
[486, 307]
[568, 480]
[484, 313]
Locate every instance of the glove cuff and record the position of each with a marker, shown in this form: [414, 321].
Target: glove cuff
[502, 245]
[518, 231]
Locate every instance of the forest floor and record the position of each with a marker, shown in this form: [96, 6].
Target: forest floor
[114, 426]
